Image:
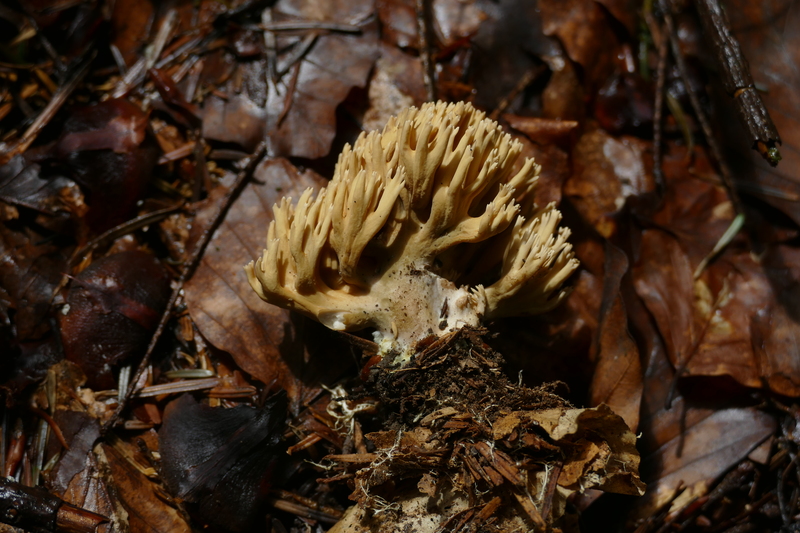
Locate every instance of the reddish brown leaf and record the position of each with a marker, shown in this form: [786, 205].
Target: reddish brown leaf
[505, 48]
[309, 126]
[396, 83]
[543, 130]
[607, 172]
[456, 19]
[398, 22]
[583, 29]
[625, 11]
[617, 379]
[112, 309]
[235, 120]
[264, 340]
[711, 442]
[130, 21]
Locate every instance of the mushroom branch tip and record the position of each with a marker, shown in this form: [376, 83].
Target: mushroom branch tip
[427, 226]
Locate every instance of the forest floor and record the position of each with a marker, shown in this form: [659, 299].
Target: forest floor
[143, 144]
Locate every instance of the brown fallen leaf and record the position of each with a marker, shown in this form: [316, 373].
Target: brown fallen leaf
[712, 442]
[396, 83]
[265, 341]
[507, 46]
[94, 489]
[607, 172]
[583, 29]
[683, 442]
[603, 444]
[624, 11]
[30, 271]
[143, 499]
[235, 120]
[617, 380]
[301, 115]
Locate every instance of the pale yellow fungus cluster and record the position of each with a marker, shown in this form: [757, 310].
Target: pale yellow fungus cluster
[426, 226]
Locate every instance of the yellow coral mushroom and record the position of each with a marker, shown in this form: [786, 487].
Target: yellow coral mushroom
[425, 227]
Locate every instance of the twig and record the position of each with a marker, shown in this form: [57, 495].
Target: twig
[725, 170]
[302, 510]
[297, 53]
[35, 509]
[289, 98]
[308, 25]
[785, 515]
[523, 82]
[425, 33]
[738, 82]
[188, 270]
[658, 116]
[270, 43]
[50, 109]
[120, 230]
[52, 423]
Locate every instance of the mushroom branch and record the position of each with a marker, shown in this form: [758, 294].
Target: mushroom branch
[426, 227]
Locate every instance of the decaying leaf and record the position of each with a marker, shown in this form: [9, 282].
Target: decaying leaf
[301, 116]
[222, 462]
[265, 341]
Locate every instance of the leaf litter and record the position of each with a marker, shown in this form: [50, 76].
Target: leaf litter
[695, 352]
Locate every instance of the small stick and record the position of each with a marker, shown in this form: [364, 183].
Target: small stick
[297, 54]
[188, 270]
[725, 170]
[424, 30]
[56, 430]
[289, 98]
[55, 103]
[658, 116]
[523, 82]
[120, 230]
[35, 509]
[308, 25]
[270, 43]
[738, 81]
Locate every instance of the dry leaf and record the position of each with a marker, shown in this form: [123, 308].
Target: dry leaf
[265, 341]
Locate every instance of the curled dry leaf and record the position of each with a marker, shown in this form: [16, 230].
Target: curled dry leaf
[108, 152]
[582, 27]
[93, 489]
[22, 184]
